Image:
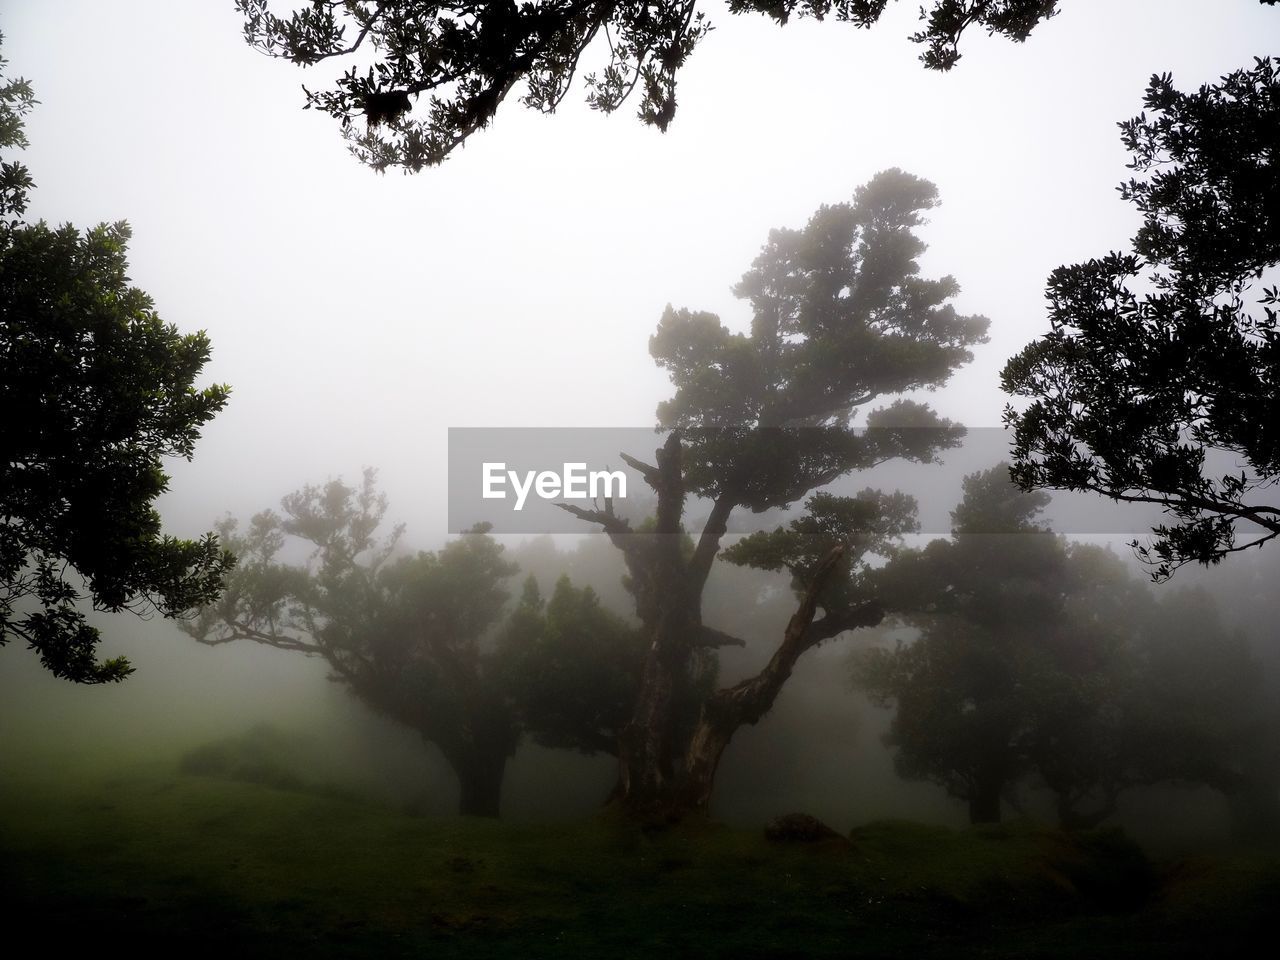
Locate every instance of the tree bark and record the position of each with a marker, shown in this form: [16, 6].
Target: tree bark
[659, 780]
[984, 800]
[644, 747]
[748, 701]
[480, 780]
[670, 612]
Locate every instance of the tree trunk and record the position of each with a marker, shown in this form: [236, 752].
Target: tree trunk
[984, 801]
[747, 702]
[644, 747]
[667, 602]
[657, 779]
[480, 779]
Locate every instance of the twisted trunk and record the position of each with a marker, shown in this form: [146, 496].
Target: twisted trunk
[659, 784]
[659, 779]
[747, 702]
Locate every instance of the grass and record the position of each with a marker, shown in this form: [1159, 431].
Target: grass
[153, 860]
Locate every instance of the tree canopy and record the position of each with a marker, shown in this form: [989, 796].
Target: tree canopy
[96, 390]
[466, 58]
[1162, 365]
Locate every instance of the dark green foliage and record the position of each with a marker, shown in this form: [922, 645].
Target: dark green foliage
[96, 390]
[572, 667]
[868, 525]
[841, 319]
[16, 100]
[1161, 359]
[420, 638]
[466, 58]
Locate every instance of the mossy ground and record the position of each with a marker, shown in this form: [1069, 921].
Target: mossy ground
[149, 859]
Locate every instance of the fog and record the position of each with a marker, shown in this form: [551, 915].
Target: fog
[341, 303]
[358, 318]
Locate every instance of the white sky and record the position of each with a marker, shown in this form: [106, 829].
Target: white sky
[357, 317]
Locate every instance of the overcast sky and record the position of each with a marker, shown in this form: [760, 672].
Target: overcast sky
[359, 316]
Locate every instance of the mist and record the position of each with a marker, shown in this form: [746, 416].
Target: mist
[400, 660]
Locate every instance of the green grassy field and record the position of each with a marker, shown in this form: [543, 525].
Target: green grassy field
[147, 859]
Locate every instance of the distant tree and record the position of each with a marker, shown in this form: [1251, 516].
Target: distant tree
[95, 391]
[1201, 711]
[998, 651]
[1160, 359]
[466, 58]
[405, 635]
[758, 421]
[425, 639]
[1042, 662]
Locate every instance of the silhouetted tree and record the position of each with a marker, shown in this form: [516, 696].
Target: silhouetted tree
[95, 390]
[466, 58]
[759, 420]
[1161, 358]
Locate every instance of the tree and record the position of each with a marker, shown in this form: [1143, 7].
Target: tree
[467, 57]
[1162, 359]
[1200, 712]
[758, 420]
[1043, 662]
[95, 390]
[404, 635]
[425, 639]
[986, 690]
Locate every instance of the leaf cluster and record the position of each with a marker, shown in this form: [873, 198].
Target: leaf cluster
[840, 318]
[1165, 360]
[425, 76]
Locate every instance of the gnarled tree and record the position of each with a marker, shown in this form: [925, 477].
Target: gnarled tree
[759, 420]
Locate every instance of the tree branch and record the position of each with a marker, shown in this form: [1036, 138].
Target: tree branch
[711, 638]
